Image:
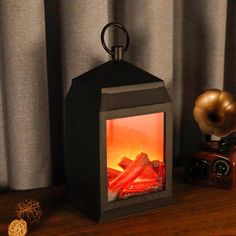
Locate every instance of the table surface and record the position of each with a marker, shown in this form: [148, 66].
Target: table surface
[199, 211]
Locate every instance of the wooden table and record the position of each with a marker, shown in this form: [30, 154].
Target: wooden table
[199, 211]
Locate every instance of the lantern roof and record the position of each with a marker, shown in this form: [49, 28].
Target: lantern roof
[113, 74]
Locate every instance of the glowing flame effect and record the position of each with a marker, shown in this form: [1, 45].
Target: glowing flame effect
[130, 136]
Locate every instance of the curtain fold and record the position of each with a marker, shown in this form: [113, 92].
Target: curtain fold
[45, 44]
[25, 98]
[230, 49]
[199, 52]
[3, 156]
[150, 24]
[81, 24]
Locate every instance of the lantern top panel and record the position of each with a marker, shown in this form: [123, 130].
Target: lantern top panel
[113, 74]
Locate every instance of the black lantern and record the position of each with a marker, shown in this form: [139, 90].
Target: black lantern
[118, 133]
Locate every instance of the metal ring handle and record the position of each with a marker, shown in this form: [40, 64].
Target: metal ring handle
[122, 28]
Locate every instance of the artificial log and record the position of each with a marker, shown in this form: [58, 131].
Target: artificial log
[112, 173]
[127, 176]
[143, 185]
[138, 188]
[150, 179]
[125, 162]
[155, 164]
[147, 173]
[161, 174]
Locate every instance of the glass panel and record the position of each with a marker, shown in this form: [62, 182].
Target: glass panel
[135, 155]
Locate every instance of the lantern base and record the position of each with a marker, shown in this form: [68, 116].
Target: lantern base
[98, 216]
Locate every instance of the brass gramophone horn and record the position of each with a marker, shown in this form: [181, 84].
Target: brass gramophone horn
[215, 112]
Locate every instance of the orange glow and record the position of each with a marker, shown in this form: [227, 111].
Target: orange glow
[132, 135]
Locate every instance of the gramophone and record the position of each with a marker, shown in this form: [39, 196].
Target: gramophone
[215, 164]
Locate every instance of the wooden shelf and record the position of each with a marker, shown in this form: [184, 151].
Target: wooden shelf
[199, 211]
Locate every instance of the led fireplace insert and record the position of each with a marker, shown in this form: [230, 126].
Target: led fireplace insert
[135, 155]
[118, 134]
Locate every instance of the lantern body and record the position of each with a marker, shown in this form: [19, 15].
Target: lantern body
[118, 112]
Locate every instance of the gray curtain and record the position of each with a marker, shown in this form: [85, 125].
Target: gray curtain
[44, 44]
